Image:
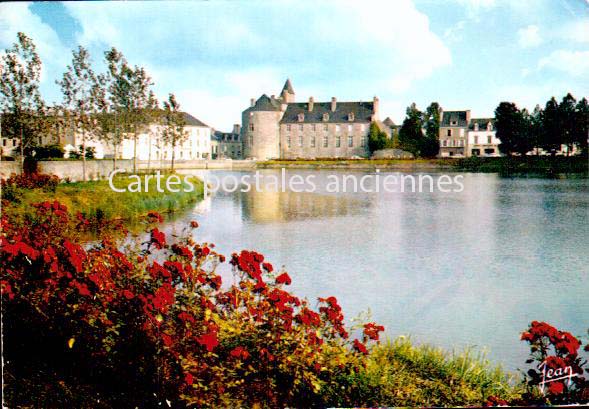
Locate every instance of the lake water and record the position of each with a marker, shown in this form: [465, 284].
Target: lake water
[450, 269]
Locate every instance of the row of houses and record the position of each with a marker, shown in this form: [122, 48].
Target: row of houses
[281, 128]
[201, 142]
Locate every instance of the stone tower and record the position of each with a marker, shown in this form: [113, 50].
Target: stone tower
[260, 130]
[287, 94]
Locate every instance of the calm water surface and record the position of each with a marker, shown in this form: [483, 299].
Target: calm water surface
[451, 269]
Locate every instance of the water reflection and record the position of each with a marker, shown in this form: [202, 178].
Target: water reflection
[453, 269]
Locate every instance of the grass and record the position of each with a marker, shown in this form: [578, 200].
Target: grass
[96, 200]
[399, 373]
[543, 165]
[327, 162]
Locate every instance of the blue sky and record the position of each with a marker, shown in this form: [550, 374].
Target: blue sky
[216, 55]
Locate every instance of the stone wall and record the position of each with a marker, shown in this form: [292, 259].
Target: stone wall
[264, 136]
[359, 133]
[392, 154]
[100, 169]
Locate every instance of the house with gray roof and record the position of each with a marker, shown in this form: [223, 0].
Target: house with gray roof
[278, 127]
[453, 133]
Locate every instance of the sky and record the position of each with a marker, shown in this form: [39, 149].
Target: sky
[216, 55]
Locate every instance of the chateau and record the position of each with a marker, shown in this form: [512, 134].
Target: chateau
[280, 128]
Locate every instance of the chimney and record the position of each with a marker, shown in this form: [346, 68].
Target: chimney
[252, 102]
[236, 128]
[311, 104]
[376, 103]
[333, 104]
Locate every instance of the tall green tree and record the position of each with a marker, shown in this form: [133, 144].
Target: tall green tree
[114, 117]
[512, 129]
[139, 105]
[21, 103]
[551, 131]
[82, 98]
[377, 139]
[567, 118]
[430, 145]
[535, 131]
[411, 133]
[582, 124]
[173, 132]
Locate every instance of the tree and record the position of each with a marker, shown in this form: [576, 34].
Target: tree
[116, 102]
[20, 99]
[173, 133]
[411, 134]
[567, 118]
[155, 118]
[139, 104]
[430, 146]
[377, 139]
[582, 124]
[536, 119]
[551, 132]
[81, 97]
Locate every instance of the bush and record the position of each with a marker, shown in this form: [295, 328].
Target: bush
[154, 324]
[12, 188]
[49, 152]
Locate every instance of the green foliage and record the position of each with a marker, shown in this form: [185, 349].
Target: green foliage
[48, 152]
[399, 373]
[412, 137]
[377, 139]
[173, 133]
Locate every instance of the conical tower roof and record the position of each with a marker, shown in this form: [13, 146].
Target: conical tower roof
[288, 87]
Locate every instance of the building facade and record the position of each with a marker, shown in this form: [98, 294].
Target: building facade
[227, 145]
[280, 128]
[453, 133]
[482, 138]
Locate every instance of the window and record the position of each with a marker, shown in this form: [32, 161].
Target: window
[325, 127]
[476, 139]
[251, 127]
[449, 132]
[363, 141]
[325, 117]
[325, 141]
[251, 140]
[362, 127]
[461, 142]
[489, 126]
[444, 142]
[4, 142]
[301, 141]
[350, 129]
[351, 116]
[350, 141]
[288, 141]
[454, 123]
[337, 128]
[489, 139]
[301, 127]
[338, 141]
[313, 141]
[301, 117]
[476, 126]
[313, 127]
[288, 128]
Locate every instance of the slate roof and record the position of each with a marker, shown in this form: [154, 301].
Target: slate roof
[192, 121]
[449, 116]
[288, 87]
[225, 136]
[265, 103]
[362, 112]
[388, 122]
[482, 123]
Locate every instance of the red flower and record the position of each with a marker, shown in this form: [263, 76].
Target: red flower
[283, 278]
[128, 294]
[240, 352]
[371, 330]
[189, 379]
[556, 388]
[209, 340]
[194, 224]
[360, 347]
[268, 267]
[158, 239]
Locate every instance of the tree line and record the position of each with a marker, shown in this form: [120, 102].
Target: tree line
[111, 106]
[565, 123]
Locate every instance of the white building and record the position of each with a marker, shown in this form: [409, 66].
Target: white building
[482, 138]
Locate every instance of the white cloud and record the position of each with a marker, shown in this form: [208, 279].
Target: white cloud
[16, 17]
[577, 31]
[220, 54]
[529, 36]
[575, 63]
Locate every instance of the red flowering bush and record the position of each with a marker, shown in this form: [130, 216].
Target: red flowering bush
[11, 187]
[119, 325]
[559, 372]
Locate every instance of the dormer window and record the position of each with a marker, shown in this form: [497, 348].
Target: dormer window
[454, 123]
[476, 126]
[301, 117]
[351, 116]
[489, 126]
[325, 117]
